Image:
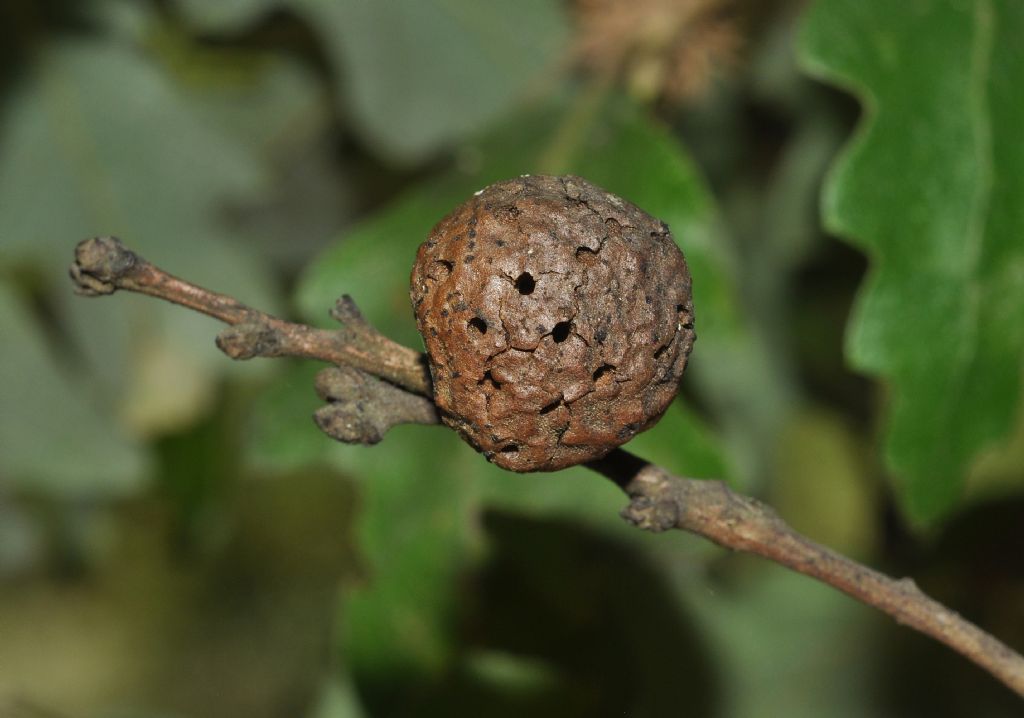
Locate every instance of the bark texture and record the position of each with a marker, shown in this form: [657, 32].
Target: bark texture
[557, 319]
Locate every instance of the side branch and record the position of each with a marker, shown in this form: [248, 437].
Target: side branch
[660, 501]
[377, 383]
[103, 265]
[361, 408]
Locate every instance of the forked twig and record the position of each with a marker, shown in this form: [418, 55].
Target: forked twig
[378, 383]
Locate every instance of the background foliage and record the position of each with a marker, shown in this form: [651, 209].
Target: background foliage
[177, 539]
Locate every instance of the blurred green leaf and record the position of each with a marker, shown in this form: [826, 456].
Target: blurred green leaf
[931, 191]
[997, 472]
[417, 74]
[415, 527]
[98, 141]
[422, 497]
[776, 639]
[53, 439]
[416, 533]
[509, 672]
[337, 699]
[267, 103]
[422, 73]
[274, 107]
[225, 15]
[823, 486]
[281, 435]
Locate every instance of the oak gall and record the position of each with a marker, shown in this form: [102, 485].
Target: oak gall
[557, 319]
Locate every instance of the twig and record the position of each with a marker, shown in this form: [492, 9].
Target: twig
[361, 408]
[660, 501]
[103, 265]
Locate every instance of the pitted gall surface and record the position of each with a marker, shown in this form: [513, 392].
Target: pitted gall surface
[557, 319]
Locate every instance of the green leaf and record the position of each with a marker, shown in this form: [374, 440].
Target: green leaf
[98, 141]
[423, 488]
[415, 75]
[775, 637]
[54, 440]
[931, 190]
[418, 74]
[224, 15]
[417, 533]
[281, 435]
[824, 486]
[337, 699]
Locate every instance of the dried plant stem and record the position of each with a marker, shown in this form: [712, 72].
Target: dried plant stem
[104, 265]
[658, 500]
